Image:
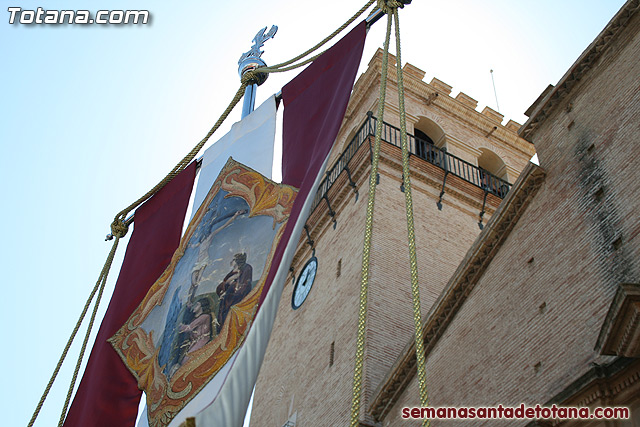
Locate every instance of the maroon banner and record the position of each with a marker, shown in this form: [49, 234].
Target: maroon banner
[108, 394]
[315, 102]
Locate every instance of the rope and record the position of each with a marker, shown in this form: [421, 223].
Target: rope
[413, 263]
[281, 67]
[366, 251]
[390, 7]
[103, 280]
[105, 269]
[119, 220]
[120, 226]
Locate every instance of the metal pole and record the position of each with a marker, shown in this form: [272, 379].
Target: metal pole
[249, 102]
[250, 61]
[494, 90]
[374, 17]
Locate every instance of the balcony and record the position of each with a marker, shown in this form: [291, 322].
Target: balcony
[428, 152]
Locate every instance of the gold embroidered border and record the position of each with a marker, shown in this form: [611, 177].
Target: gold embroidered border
[165, 398]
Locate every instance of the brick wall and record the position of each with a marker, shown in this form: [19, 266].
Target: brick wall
[296, 375]
[529, 327]
[296, 366]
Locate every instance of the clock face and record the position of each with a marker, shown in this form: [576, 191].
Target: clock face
[304, 283]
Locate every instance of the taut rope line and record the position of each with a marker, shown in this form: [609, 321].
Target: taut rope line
[366, 250]
[413, 262]
[103, 282]
[103, 273]
[390, 7]
[282, 66]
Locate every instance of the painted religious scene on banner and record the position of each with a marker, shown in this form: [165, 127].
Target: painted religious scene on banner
[198, 312]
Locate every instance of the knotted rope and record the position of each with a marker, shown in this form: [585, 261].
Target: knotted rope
[119, 228]
[389, 7]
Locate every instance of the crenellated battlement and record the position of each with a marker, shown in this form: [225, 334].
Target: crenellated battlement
[414, 76]
[453, 123]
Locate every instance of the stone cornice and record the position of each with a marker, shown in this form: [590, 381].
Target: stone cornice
[602, 385]
[456, 187]
[580, 68]
[620, 332]
[459, 287]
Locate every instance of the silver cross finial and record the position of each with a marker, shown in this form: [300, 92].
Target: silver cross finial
[258, 42]
[250, 61]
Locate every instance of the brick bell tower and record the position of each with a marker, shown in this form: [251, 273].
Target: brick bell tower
[462, 165]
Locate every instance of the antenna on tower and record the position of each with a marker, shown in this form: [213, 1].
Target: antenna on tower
[494, 90]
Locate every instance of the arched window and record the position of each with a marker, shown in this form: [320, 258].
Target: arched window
[430, 129]
[425, 148]
[429, 141]
[423, 136]
[488, 161]
[492, 163]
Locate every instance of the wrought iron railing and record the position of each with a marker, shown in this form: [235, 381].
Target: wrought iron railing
[423, 149]
[366, 129]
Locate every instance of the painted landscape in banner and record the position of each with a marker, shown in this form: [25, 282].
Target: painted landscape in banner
[198, 312]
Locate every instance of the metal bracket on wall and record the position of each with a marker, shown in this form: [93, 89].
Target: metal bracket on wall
[309, 241]
[369, 117]
[351, 183]
[484, 203]
[332, 213]
[444, 182]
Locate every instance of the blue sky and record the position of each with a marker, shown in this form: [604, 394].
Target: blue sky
[92, 116]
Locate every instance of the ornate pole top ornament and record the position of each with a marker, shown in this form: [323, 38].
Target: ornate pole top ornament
[251, 60]
[258, 42]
